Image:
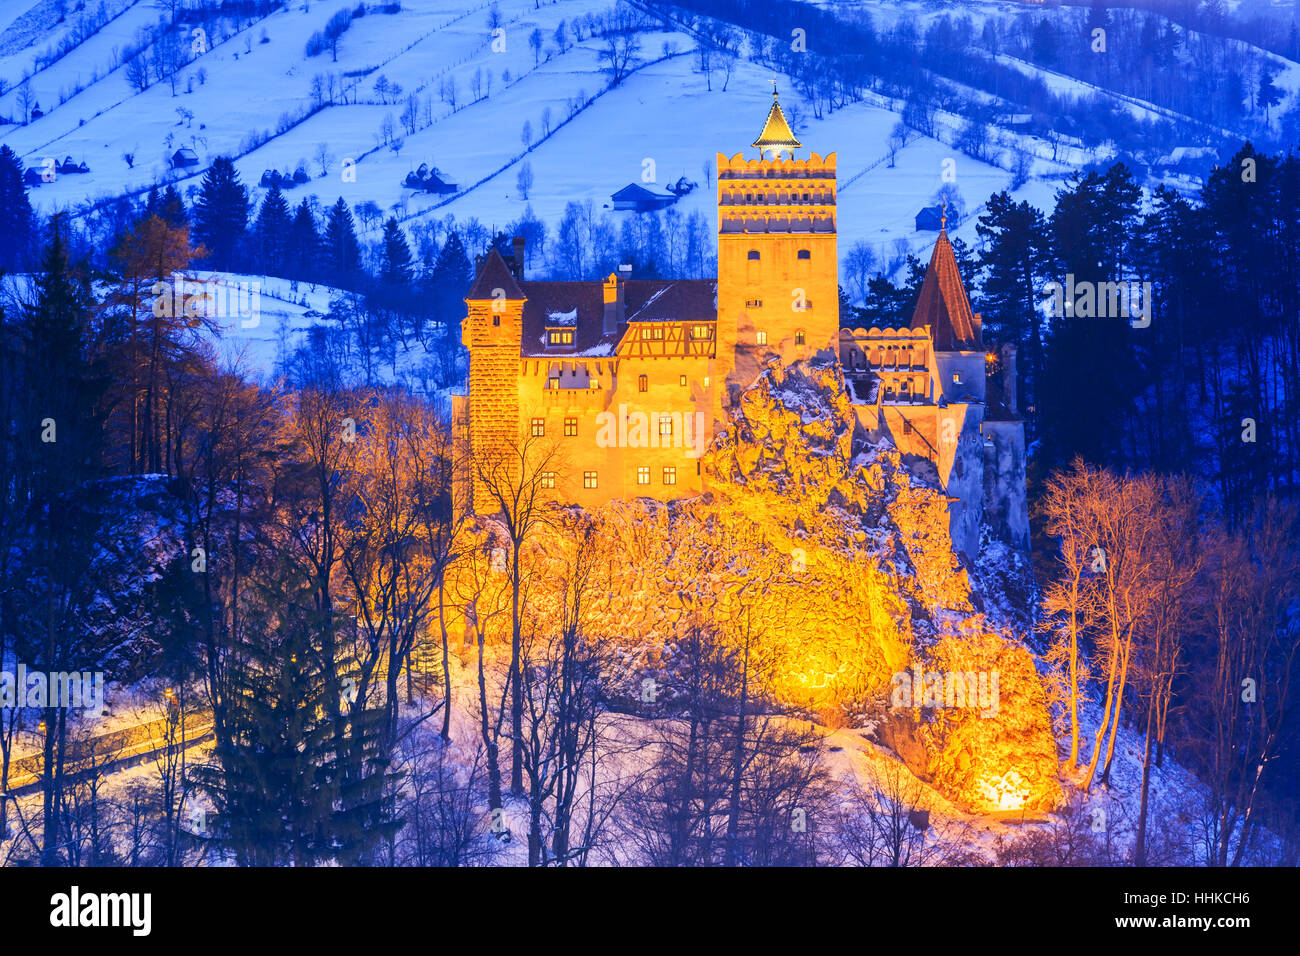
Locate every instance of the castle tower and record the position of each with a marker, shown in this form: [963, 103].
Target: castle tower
[778, 287]
[957, 384]
[491, 332]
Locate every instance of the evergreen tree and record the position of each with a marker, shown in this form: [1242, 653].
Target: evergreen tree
[1090, 373]
[449, 281]
[1014, 265]
[17, 224]
[340, 252]
[171, 207]
[302, 250]
[58, 442]
[396, 268]
[272, 230]
[296, 781]
[221, 213]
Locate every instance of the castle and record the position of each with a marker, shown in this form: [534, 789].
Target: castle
[625, 381]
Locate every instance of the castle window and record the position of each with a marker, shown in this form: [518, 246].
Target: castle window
[706, 384]
[908, 427]
[956, 378]
[753, 254]
[805, 254]
[654, 333]
[670, 475]
[643, 475]
[548, 479]
[666, 426]
[561, 337]
[554, 381]
[496, 320]
[760, 337]
[570, 428]
[681, 380]
[589, 479]
[700, 331]
[799, 337]
[753, 303]
[643, 383]
[539, 427]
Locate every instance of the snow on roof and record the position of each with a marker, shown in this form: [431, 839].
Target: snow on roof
[562, 318]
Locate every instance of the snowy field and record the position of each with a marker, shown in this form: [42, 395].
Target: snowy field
[664, 112]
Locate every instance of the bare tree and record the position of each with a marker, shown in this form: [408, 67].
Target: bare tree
[512, 482]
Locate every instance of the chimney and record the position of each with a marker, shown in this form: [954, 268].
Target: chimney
[613, 304]
[1009, 377]
[517, 244]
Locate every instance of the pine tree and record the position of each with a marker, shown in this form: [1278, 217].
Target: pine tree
[58, 442]
[396, 269]
[303, 248]
[297, 781]
[1014, 264]
[449, 282]
[221, 213]
[17, 224]
[172, 208]
[151, 203]
[1090, 372]
[272, 231]
[340, 252]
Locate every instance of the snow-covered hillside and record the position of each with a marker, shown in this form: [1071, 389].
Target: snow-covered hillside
[258, 84]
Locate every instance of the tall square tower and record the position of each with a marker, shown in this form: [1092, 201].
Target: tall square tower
[778, 266]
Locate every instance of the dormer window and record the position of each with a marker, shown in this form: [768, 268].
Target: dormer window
[560, 336]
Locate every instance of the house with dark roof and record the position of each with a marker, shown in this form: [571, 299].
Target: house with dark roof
[430, 180]
[636, 198]
[184, 157]
[930, 219]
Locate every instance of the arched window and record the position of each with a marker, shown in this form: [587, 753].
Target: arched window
[799, 337]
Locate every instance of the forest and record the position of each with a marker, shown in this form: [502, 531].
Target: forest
[279, 559]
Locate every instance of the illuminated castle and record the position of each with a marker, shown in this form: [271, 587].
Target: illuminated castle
[625, 381]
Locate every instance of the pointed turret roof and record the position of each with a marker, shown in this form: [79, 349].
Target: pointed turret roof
[494, 274]
[776, 134]
[943, 304]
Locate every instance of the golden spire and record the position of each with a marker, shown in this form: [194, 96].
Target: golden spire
[776, 135]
